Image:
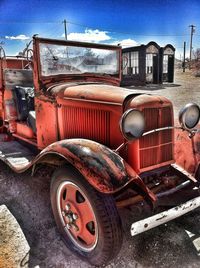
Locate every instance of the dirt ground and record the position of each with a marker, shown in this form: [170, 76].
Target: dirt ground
[176, 244]
[185, 89]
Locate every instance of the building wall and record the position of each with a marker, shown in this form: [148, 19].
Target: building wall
[133, 70]
[151, 67]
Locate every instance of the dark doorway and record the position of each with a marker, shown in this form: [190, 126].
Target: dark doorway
[155, 69]
[171, 68]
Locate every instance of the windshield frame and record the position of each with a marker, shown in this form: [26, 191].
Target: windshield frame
[115, 79]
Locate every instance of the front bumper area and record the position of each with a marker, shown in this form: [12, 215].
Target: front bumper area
[165, 216]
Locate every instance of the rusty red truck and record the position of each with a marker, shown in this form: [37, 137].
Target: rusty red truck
[62, 105]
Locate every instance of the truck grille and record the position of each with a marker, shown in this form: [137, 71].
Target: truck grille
[86, 123]
[156, 148]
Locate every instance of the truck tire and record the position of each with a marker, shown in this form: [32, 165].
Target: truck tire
[88, 220]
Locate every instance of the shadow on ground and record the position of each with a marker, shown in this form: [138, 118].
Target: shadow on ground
[153, 87]
[28, 200]
[175, 244]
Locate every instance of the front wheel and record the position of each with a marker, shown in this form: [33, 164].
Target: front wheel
[88, 220]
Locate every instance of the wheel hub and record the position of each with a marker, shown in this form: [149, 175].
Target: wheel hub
[70, 218]
[77, 216]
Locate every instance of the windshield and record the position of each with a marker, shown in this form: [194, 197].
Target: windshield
[60, 59]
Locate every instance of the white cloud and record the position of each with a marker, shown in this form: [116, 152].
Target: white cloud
[17, 37]
[89, 36]
[126, 43]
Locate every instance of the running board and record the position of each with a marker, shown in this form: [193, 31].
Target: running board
[15, 155]
[165, 216]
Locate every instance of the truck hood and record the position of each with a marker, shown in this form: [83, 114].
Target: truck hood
[107, 94]
[91, 91]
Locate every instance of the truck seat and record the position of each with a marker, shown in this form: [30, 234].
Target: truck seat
[31, 120]
[24, 99]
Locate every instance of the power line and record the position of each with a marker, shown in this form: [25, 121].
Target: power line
[122, 32]
[92, 27]
[28, 22]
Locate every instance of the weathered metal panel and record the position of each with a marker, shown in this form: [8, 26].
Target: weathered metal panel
[46, 122]
[92, 92]
[14, 63]
[104, 169]
[163, 217]
[14, 77]
[187, 151]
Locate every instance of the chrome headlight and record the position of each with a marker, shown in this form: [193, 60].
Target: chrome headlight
[132, 124]
[189, 115]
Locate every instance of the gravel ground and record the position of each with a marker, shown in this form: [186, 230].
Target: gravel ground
[176, 244]
[185, 89]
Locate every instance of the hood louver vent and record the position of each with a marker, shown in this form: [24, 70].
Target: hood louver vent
[86, 123]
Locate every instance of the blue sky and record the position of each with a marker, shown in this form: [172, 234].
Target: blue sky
[126, 22]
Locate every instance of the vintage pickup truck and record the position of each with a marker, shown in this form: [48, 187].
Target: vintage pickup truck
[62, 105]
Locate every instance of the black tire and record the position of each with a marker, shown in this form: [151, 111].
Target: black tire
[107, 218]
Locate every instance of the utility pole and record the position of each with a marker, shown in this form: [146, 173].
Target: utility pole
[184, 48]
[191, 38]
[65, 28]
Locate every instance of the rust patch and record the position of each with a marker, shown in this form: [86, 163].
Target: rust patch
[187, 151]
[104, 169]
[164, 216]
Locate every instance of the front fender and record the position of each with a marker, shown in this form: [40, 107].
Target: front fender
[104, 169]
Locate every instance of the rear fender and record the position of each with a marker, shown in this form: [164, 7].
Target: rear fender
[104, 169]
